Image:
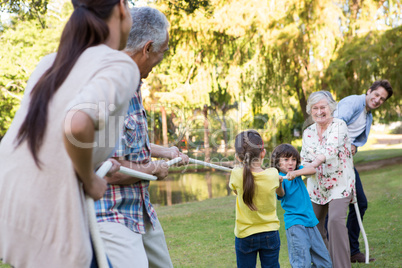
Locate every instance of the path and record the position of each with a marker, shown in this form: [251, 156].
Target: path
[379, 164]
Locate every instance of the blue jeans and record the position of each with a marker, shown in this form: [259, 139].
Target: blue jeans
[94, 262]
[352, 223]
[267, 244]
[306, 247]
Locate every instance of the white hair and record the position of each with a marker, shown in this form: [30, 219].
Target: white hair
[149, 24]
[315, 97]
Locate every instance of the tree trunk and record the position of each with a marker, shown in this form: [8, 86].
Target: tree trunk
[225, 133]
[164, 126]
[300, 95]
[302, 102]
[206, 134]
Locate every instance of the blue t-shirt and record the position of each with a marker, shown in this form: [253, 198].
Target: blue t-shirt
[296, 203]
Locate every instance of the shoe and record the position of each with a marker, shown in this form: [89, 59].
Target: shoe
[360, 257]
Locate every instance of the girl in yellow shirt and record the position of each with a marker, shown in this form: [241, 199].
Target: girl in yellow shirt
[257, 225]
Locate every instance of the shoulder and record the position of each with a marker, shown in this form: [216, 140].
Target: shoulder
[309, 129]
[338, 122]
[271, 172]
[44, 64]
[338, 127]
[48, 59]
[111, 57]
[352, 98]
[352, 102]
[236, 176]
[237, 171]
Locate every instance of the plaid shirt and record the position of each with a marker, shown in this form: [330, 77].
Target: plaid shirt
[126, 203]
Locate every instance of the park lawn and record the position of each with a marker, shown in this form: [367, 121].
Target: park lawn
[365, 156]
[200, 234]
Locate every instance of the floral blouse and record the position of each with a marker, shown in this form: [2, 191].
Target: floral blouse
[335, 178]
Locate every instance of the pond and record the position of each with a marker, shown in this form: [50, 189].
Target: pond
[187, 187]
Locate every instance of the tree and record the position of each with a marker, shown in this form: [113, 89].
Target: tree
[364, 59]
[26, 10]
[22, 45]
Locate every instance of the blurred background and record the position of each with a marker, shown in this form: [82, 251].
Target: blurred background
[232, 65]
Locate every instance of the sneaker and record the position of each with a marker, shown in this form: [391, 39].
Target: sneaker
[360, 257]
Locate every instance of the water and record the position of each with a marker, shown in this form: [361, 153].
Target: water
[180, 188]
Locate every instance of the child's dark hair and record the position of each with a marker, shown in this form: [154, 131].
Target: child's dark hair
[284, 150]
[248, 145]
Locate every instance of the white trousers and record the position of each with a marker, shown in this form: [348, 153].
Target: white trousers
[126, 248]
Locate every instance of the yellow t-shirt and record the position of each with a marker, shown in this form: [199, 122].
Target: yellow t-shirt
[264, 219]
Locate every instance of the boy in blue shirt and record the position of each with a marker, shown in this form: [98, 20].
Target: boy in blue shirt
[305, 244]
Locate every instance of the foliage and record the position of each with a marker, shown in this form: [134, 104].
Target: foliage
[366, 58]
[263, 57]
[22, 45]
[26, 10]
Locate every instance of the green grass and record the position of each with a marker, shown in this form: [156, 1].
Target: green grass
[377, 154]
[200, 234]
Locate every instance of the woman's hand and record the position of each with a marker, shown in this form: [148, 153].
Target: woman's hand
[353, 149]
[95, 187]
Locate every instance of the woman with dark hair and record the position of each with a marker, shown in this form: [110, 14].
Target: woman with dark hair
[68, 123]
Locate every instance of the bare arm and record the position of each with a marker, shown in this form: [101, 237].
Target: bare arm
[318, 160]
[157, 168]
[306, 170]
[280, 191]
[80, 131]
[165, 152]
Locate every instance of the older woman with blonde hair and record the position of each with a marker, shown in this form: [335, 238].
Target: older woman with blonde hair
[326, 147]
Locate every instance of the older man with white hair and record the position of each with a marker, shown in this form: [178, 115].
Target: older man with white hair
[128, 224]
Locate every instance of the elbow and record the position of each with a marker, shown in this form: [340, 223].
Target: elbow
[78, 127]
[280, 193]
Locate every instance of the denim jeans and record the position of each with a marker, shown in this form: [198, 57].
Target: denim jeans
[267, 244]
[352, 223]
[94, 262]
[306, 247]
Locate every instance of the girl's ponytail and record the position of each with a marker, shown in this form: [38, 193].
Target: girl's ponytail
[248, 183]
[248, 145]
[86, 28]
